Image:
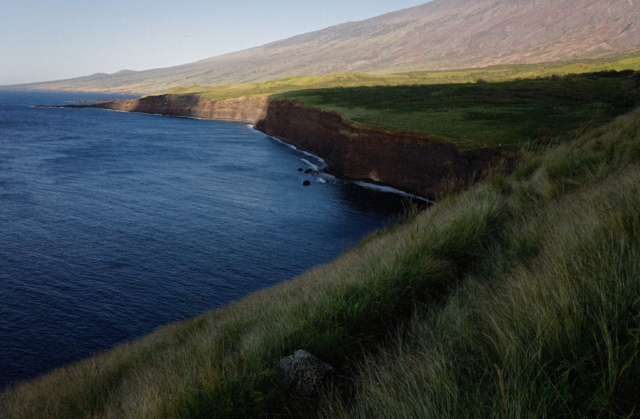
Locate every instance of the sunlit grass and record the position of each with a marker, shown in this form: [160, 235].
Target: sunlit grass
[475, 115]
[509, 112]
[409, 77]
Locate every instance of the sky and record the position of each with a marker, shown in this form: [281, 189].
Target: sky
[42, 40]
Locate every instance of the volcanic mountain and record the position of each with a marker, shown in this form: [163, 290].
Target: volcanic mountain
[439, 35]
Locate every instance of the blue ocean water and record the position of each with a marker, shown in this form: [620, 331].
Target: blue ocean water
[113, 224]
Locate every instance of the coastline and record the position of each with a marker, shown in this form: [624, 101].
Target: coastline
[409, 164]
[364, 184]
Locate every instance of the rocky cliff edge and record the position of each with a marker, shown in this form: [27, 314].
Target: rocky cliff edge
[409, 162]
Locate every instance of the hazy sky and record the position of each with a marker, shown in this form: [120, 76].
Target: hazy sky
[55, 39]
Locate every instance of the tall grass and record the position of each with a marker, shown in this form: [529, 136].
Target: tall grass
[515, 298]
[222, 364]
[548, 323]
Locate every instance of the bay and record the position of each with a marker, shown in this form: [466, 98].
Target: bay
[114, 224]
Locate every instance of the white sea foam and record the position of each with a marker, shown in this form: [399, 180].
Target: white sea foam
[325, 177]
[311, 165]
[318, 158]
[278, 140]
[157, 114]
[321, 162]
[328, 177]
[388, 189]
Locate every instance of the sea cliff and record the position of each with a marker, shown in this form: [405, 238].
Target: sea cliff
[410, 162]
[250, 109]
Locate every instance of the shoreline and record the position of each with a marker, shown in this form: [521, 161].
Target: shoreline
[408, 164]
[363, 184]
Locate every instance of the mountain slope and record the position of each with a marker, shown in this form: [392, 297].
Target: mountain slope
[442, 34]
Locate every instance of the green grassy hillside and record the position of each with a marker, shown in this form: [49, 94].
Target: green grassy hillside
[517, 298]
[350, 79]
[473, 115]
[486, 114]
[546, 323]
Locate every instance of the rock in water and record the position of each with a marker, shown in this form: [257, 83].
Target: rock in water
[300, 169]
[308, 171]
[306, 372]
[306, 183]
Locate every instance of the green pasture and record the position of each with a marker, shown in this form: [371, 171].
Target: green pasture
[482, 114]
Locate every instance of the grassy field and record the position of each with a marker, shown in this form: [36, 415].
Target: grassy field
[485, 114]
[470, 115]
[513, 71]
[348, 79]
[517, 298]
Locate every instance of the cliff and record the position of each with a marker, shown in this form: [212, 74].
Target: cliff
[250, 109]
[408, 162]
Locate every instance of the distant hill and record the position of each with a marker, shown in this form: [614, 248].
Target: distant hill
[442, 34]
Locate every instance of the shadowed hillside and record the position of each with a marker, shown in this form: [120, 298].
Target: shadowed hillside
[442, 34]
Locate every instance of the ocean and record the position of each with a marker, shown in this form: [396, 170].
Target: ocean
[114, 224]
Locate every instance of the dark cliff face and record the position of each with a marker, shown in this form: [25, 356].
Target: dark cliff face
[408, 162]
